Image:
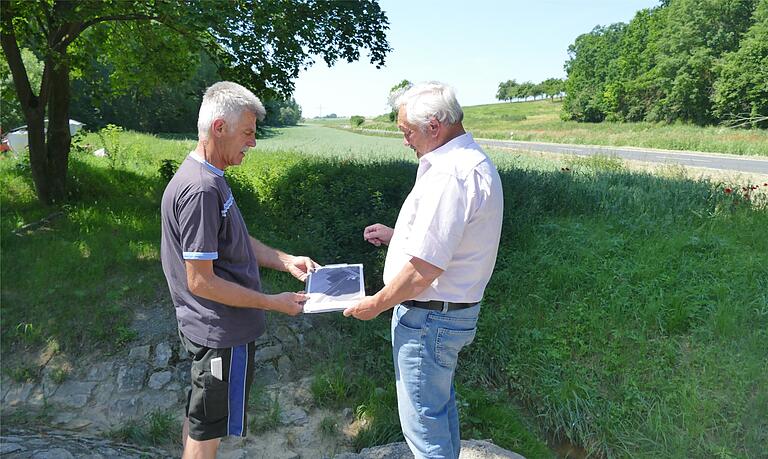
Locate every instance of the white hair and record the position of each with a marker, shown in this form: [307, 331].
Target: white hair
[226, 100]
[425, 101]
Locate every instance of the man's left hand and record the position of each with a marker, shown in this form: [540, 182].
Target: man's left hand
[299, 267]
[364, 310]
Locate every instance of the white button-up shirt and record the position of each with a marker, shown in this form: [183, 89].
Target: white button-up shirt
[452, 220]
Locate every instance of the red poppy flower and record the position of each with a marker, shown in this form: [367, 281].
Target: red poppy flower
[728, 191]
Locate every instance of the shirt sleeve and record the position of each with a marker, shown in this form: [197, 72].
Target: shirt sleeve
[439, 223]
[199, 223]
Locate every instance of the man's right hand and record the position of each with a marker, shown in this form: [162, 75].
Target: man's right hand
[378, 234]
[288, 302]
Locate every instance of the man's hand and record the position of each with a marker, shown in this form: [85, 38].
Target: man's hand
[288, 303]
[378, 234]
[364, 310]
[299, 267]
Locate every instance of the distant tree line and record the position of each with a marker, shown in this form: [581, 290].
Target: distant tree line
[686, 60]
[512, 90]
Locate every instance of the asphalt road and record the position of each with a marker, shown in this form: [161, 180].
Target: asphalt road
[727, 162]
[720, 161]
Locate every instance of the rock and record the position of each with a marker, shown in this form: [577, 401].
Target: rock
[158, 380]
[131, 378]
[295, 416]
[139, 353]
[126, 408]
[265, 376]
[163, 354]
[284, 367]
[100, 153]
[99, 371]
[268, 353]
[55, 453]
[158, 401]
[8, 448]
[470, 449]
[74, 394]
[19, 394]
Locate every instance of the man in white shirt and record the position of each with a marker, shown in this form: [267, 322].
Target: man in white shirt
[441, 255]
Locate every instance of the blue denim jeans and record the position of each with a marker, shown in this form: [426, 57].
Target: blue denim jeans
[425, 349]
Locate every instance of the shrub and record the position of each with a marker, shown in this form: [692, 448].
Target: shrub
[356, 120]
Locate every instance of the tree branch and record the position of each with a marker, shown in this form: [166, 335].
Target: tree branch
[16, 64]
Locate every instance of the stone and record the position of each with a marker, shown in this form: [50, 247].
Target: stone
[125, 408]
[173, 387]
[284, 367]
[154, 401]
[163, 354]
[139, 353]
[268, 353]
[295, 416]
[131, 378]
[158, 380]
[55, 453]
[265, 376]
[99, 371]
[19, 394]
[74, 394]
[8, 448]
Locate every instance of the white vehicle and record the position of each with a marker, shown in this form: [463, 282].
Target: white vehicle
[18, 141]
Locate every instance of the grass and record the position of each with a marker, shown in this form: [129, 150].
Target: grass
[158, 429]
[628, 313]
[540, 121]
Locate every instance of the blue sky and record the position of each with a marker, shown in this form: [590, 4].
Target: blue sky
[472, 45]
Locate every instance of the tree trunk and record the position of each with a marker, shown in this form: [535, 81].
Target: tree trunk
[58, 137]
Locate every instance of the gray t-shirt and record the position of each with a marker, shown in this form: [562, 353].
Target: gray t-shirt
[201, 221]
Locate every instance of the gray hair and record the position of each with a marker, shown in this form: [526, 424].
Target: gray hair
[226, 100]
[427, 100]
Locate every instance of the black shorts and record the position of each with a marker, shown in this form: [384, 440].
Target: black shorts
[216, 404]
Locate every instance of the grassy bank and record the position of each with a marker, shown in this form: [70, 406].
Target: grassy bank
[540, 121]
[628, 313]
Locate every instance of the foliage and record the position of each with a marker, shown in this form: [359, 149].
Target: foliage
[356, 120]
[742, 89]
[262, 45]
[685, 60]
[512, 90]
[158, 429]
[282, 112]
[11, 115]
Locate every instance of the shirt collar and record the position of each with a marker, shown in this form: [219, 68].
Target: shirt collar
[211, 167]
[457, 142]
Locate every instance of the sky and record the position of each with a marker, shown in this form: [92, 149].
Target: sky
[473, 45]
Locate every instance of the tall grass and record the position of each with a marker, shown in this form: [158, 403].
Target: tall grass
[540, 121]
[628, 313]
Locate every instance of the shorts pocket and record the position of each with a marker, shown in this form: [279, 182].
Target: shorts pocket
[449, 343]
[215, 398]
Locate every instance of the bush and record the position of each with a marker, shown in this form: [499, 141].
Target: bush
[356, 120]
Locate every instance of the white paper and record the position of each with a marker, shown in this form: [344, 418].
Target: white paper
[334, 288]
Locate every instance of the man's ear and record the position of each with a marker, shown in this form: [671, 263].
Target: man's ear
[433, 128]
[218, 127]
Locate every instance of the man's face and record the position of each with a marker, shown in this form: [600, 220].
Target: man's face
[413, 138]
[237, 139]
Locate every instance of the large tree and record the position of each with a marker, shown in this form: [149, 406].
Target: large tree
[261, 44]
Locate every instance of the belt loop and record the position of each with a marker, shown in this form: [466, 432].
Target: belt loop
[445, 307]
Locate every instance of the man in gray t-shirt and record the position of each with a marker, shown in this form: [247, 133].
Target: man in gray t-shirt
[212, 265]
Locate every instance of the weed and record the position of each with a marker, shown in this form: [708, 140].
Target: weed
[24, 373]
[158, 429]
[329, 427]
[59, 375]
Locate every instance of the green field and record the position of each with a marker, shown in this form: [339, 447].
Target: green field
[540, 121]
[628, 313]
